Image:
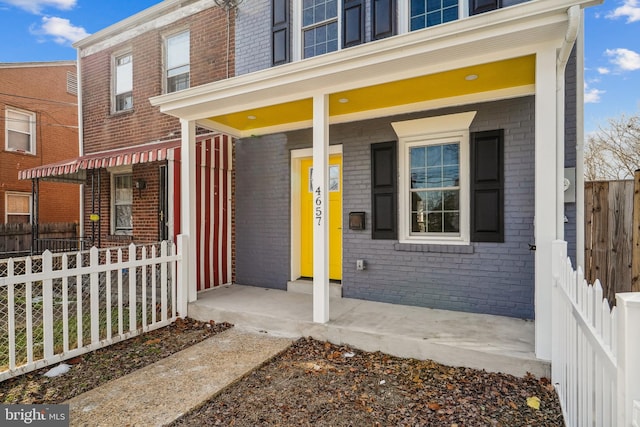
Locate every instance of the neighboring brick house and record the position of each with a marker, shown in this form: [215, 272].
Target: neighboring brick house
[439, 134]
[131, 152]
[39, 125]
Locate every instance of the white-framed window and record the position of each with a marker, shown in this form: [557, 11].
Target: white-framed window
[123, 82]
[17, 208]
[122, 203]
[20, 133]
[177, 61]
[320, 27]
[434, 179]
[427, 13]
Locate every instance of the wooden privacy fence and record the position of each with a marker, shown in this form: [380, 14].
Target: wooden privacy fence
[57, 306]
[16, 239]
[612, 235]
[595, 350]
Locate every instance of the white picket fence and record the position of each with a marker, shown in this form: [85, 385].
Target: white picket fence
[595, 351]
[58, 306]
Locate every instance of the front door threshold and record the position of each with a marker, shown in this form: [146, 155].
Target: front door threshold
[305, 286]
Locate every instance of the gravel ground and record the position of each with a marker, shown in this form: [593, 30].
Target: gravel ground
[315, 383]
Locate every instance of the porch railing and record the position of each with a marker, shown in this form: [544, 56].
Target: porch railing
[595, 350]
[57, 306]
[57, 245]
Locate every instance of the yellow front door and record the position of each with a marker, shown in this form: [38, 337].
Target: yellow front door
[335, 218]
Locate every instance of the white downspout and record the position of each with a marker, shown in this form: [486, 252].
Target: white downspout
[575, 14]
[580, 219]
[80, 136]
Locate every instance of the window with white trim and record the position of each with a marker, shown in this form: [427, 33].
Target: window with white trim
[435, 188]
[426, 13]
[17, 208]
[20, 134]
[177, 62]
[123, 84]
[319, 27]
[434, 179]
[122, 203]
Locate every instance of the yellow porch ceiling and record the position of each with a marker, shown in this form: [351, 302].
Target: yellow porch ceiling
[492, 76]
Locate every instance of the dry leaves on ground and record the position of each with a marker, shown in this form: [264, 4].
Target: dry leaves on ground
[98, 367]
[320, 384]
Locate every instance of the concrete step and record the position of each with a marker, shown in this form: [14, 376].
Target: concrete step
[305, 286]
[493, 343]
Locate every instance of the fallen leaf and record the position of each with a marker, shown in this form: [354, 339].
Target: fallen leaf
[151, 342]
[533, 402]
[434, 406]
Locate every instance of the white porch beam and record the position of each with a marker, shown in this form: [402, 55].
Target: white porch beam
[188, 201]
[320, 208]
[545, 195]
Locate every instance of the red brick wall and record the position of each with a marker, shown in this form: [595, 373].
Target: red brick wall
[144, 123]
[145, 207]
[104, 130]
[41, 90]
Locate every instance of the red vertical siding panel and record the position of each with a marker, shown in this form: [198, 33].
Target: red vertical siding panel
[207, 217]
[176, 193]
[198, 214]
[216, 212]
[225, 208]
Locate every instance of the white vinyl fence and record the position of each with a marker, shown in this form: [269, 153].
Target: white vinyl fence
[595, 350]
[57, 306]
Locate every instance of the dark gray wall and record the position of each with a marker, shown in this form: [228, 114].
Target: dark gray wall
[262, 212]
[570, 139]
[494, 278]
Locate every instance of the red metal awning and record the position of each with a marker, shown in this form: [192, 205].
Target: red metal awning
[70, 169]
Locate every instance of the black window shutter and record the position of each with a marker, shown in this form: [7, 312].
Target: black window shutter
[487, 186]
[383, 19]
[383, 191]
[481, 6]
[279, 32]
[352, 22]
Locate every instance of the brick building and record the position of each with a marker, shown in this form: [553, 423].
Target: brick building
[130, 162]
[39, 125]
[417, 152]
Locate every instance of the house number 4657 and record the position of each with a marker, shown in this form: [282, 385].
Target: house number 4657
[318, 211]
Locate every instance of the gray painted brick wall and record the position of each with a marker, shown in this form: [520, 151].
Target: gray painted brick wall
[253, 36]
[570, 139]
[495, 278]
[262, 212]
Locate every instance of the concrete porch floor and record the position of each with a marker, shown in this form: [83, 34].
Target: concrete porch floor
[492, 343]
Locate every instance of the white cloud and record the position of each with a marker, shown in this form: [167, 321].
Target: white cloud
[592, 96]
[626, 59]
[62, 30]
[603, 70]
[36, 6]
[630, 9]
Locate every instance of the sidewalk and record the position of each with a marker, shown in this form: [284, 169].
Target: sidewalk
[160, 393]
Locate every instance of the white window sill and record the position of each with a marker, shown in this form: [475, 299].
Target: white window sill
[447, 248]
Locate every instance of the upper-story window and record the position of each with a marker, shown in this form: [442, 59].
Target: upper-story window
[177, 62]
[319, 27]
[426, 13]
[20, 128]
[323, 26]
[123, 83]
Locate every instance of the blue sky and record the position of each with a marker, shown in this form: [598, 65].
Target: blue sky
[43, 30]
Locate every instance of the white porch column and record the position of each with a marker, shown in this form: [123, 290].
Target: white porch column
[545, 195]
[320, 209]
[188, 201]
